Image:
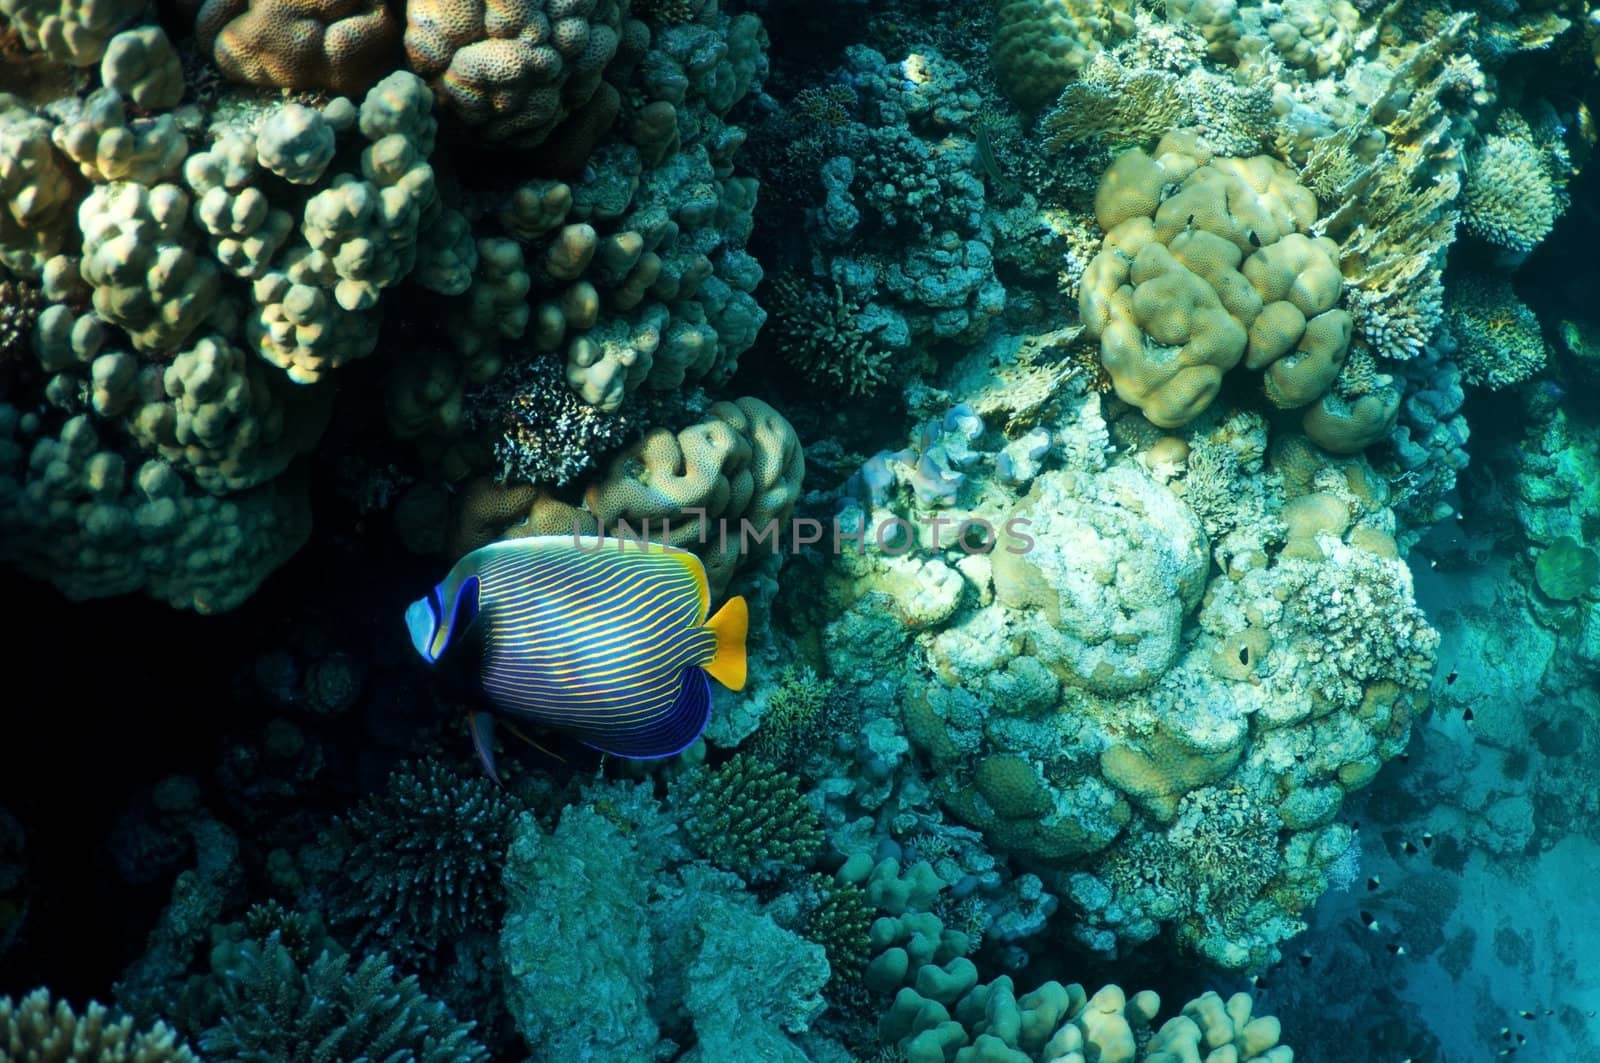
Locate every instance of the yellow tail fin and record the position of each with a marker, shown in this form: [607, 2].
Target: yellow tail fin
[729, 625]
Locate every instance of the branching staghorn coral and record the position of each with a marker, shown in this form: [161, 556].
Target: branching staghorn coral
[424, 857]
[32, 1031]
[267, 1004]
[748, 817]
[819, 337]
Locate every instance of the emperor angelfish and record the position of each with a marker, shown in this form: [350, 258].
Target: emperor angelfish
[604, 639]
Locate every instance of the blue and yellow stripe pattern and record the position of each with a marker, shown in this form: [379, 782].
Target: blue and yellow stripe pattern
[606, 639]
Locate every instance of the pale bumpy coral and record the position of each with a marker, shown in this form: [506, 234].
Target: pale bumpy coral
[107, 146]
[1066, 1025]
[146, 279]
[36, 193]
[1084, 694]
[69, 31]
[1104, 599]
[142, 65]
[225, 416]
[340, 46]
[1206, 262]
[360, 234]
[708, 487]
[646, 282]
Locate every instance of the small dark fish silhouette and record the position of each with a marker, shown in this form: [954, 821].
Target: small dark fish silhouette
[1450, 679]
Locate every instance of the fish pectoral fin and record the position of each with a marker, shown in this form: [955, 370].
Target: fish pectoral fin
[481, 724]
[547, 752]
[732, 622]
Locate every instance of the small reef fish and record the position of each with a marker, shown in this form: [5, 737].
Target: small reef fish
[604, 639]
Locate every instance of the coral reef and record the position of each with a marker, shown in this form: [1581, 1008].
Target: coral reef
[1063, 630]
[1076, 393]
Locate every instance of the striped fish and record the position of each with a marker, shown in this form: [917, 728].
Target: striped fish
[604, 639]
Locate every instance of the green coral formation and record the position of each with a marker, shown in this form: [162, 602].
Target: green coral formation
[660, 950]
[1566, 570]
[840, 922]
[424, 857]
[271, 1005]
[748, 817]
[801, 711]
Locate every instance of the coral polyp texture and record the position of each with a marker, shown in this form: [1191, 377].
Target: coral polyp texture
[340, 46]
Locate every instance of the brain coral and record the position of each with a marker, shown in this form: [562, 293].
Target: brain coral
[514, 71]
[342, 46]
[1206, 262]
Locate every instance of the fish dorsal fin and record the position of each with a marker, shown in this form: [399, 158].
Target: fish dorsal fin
[727, 665]
[692, 565]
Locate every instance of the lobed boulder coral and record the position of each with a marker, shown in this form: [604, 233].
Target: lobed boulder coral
[339, 46]
[1039, 45]
[516, 74]
[74, 32]
[1206, 262]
